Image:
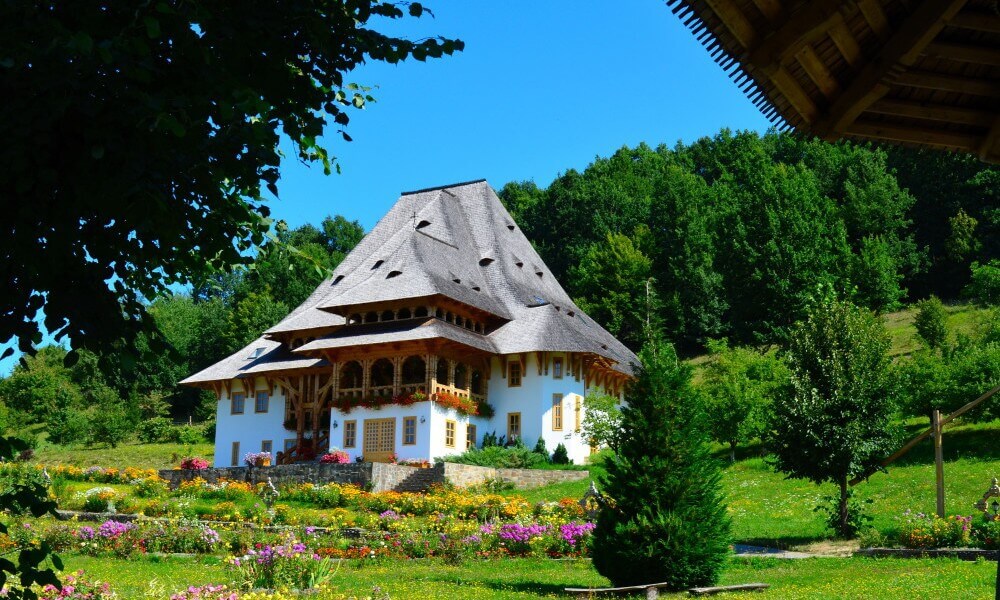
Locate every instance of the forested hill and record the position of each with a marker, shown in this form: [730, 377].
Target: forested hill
[723, 238]
[728, 236]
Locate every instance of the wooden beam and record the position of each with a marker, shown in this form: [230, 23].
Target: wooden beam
[817, 71]
[950, 83]
[872, 11]
[734, 20]
[977, 21]
[791, 90]
[988, 151]
[802, 26]
[914, 135]
[938, 460]
[979, 55]
[769, 8]
[932, 112]
[842, 37]
[899, 52]
[927, 433]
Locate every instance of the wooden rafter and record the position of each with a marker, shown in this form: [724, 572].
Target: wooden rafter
[932, 112]
[799, 28]
[842, 37]
[980, 55]
[872, 11]
[977, 21]
[933, 137]
[950, 83]
[900, 51]
[988, 148]
[817, 71]
[735, 21]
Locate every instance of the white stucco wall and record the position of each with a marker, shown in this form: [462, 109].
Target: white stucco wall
[249, 428]
[534, 399]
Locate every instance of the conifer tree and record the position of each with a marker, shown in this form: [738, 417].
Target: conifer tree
[663, 519]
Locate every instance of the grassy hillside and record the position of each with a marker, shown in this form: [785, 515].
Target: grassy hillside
[963, 319]
[147, 456]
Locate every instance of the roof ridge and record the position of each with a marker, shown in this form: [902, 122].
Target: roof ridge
[442, 187]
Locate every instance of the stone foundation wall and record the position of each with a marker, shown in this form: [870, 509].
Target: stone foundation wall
[378, 477]
[466, 475]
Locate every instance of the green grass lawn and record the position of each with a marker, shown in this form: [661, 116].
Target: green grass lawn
[769, 509]
[145, 456]
[962, 319]
[535, 578]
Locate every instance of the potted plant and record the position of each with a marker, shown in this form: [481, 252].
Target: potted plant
[257, 459]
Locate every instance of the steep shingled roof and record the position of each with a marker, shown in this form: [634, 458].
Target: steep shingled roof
[459, 242]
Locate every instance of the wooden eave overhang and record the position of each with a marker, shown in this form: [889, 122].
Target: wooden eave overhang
[923, 74]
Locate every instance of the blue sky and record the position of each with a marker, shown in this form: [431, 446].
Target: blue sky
[543, 86]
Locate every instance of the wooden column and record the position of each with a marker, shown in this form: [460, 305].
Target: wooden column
[397, 375]
[366, 376]
[451, 373]
[938, 460]
[432, 365]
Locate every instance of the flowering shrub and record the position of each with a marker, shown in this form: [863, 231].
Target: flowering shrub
[77, 587]
[986, 533]
[336, 457]
[194, 463]
[257, 459]
[98, 499]
[290, 564]
[93, 474]
[919, 530]
[206, 592]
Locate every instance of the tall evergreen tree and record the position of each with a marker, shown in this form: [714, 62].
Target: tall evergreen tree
[664, 519]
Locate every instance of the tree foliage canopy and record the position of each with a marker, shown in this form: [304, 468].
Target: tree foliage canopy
[738, 228]
[139, 137]
[664, 520]
[837, 422]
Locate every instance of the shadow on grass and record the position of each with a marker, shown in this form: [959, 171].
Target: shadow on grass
[969, 441]
[783, 542]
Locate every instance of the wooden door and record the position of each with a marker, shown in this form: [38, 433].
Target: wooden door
[380, 440]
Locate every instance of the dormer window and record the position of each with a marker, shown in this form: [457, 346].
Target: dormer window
[257, 352]
[337, 280]
[378, 263]
[423, 224]
[393, 274]
[485, 261]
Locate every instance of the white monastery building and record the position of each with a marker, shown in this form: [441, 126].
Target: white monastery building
[441, 326]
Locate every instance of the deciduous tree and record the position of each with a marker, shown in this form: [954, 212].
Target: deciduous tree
[837, 422]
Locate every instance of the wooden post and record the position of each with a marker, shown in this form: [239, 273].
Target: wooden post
[938, 460]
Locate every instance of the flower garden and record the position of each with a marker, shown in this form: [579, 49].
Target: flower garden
[294, 543]
[222, 540]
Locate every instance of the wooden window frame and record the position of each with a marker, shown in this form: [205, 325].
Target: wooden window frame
[578, 410]
[450, 427]
[290, 444]
[407, 421]
[470, 435]
[267, 446]
[557, 412]
[351, 425]
[510, 436]
[232, 403]
[235, 456]
[511, 367]
[557, 368]
[256, 402]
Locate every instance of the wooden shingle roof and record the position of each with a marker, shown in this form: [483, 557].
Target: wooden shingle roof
[456, 243]
[921, 73]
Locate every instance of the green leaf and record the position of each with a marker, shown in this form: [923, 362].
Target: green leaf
[152, 27]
